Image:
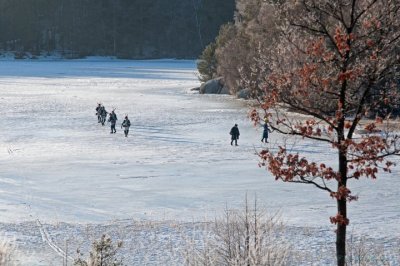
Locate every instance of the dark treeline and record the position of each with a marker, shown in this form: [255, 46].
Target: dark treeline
[122, 28]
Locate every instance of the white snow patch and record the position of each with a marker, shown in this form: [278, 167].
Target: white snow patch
[57, 164]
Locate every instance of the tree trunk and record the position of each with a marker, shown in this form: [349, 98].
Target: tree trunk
[342, 210]
[341, 235]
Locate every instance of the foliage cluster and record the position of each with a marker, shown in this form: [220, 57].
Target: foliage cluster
[104, 253]
[235, 49]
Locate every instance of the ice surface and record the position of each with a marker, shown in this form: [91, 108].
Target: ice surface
[57, 164]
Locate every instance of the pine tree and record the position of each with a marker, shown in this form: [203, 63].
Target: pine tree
[207, 64]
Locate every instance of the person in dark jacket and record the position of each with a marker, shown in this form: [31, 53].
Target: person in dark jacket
[113, 120]
[103, 114]
[265, 133]
[98, 113]
[234, 134]
[126, 124]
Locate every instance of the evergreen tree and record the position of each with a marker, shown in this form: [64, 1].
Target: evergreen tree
[207, 64]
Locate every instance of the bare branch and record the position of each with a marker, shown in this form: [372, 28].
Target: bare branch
[304, 181]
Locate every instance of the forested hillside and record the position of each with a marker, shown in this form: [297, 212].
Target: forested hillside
[122, 28]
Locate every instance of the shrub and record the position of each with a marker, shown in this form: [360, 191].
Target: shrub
[103, 253]
[246, 237]
[6, 253]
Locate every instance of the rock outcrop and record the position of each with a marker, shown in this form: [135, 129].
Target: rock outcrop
[214, 86]
[244, 94]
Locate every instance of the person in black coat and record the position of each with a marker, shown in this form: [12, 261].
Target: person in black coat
[98, 111]
[113, 120]
[103, 114]
[234, 134]
[265, 133]
[126, 124]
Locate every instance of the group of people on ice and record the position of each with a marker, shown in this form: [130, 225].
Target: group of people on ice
[235, 133]
[112, 118]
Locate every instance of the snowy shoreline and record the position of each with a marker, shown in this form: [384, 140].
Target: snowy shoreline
[163, 242]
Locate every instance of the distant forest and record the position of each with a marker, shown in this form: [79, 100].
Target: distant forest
[122, 28]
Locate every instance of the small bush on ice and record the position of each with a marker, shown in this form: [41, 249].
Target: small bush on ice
[247, 237]
[103, 253]
[363, 253]
[6, 253]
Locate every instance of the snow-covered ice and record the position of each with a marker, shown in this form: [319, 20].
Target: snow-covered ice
[57, 164]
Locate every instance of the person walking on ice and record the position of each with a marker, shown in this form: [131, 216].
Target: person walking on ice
[113, 120]
[98, 113]
[103, 114]
[266, 131]
[126, 124]
[234, 134]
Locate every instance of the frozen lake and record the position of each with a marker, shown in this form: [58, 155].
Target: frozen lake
[57, 164]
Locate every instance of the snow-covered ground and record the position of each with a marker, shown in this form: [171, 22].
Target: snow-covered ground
[58, 165]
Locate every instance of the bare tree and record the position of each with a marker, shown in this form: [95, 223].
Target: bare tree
[335, 61]
[198, 24]
[242, 237]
